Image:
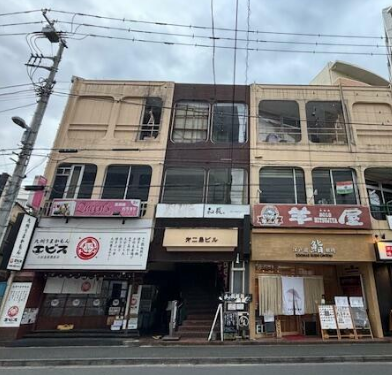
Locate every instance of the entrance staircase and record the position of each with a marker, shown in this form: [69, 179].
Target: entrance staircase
[200, 307]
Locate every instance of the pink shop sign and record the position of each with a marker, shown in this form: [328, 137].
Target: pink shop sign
[96, 207]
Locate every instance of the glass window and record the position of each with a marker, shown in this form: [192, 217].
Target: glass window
[127, 182]
[282, 185]
[151, 118]
[230, 122]
[326, 122]
[334, 186]
[227, 186]
[379, 189]
[190, 122]
[279, 121]
[74, 181]
[184, 186]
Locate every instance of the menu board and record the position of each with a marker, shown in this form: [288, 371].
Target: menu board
[343, 317]
[360, 318]
[327, 317]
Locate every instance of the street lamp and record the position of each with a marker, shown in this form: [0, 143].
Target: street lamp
[20, 122]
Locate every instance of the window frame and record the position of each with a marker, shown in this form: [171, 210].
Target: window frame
[244, 190]
[153, 128]
[332, 185]
[183, 168]
[211, 123]
[174, 121]
[294, 176]
[281, 121]
[130, 166]
[310, 130]
[378, 186]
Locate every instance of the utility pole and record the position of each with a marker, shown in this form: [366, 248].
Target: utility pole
[28, 141]
[12, 189]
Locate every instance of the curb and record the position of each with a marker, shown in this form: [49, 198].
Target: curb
[190, 361]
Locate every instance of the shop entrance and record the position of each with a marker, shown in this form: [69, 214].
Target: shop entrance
[290, 294]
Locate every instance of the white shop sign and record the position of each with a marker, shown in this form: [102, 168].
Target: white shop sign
[80, 248]
[15, 305]
[21, 243]
[212, 211]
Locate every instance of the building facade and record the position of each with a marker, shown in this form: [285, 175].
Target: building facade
[276, 197]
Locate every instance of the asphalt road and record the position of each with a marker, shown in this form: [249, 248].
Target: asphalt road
[284, 369]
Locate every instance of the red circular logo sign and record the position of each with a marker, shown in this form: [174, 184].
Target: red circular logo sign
[13, 311]
[87, 248]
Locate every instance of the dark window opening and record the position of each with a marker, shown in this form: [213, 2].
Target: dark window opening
[334, 186]
[151, 118]
[227, 186]
[74, 181]
[127, 182]
[325, 122]
[279, 121]
[229, 123]
[282, 185]
[379, 189]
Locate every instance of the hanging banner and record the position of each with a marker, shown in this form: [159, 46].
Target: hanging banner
[293, 295]
[15, 305]
[327, 317]
[21, 243]
[344, 187]
[343, 317]
[35, 197]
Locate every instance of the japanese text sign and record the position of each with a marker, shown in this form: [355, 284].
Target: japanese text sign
[96, 207]
[76, 248]
[21, 243]
[15, 305]
[318, 216]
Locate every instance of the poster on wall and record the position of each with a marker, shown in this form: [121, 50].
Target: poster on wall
[343, 317]
[15, 305]
[341, 301]
[120, 249]
[327, 317]
[293, 295]
[29, 316]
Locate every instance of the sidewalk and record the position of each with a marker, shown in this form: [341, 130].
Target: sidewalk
[202, 354]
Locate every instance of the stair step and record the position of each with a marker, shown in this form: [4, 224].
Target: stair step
[200, 317]
[202, 328]
[192, 323]
[195, 334]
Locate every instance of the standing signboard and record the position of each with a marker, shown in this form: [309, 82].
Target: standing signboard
[21, 243]
[15, 305]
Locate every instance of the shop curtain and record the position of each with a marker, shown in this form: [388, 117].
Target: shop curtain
[270, 295]
[314, 289]
[293, 295]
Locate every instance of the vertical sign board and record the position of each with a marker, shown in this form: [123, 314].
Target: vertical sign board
[15, 305]
[21, 243]
[327, 317]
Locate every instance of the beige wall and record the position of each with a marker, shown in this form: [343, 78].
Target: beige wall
[103, 115]
[369, 125]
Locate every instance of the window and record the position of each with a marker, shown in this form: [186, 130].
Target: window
[229, 122]
[326, 122]
[187, 186]
[74, 181]
[191, 122]
[127, 182]
[282, 185]
[334, 186]
[279, 121]
[379, 188]
[184, 186]
[227, 186]
[151, 118]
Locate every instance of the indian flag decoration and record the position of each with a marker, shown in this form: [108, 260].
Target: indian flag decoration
[344, 187]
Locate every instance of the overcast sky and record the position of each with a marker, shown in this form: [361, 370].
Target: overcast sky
[97, 58]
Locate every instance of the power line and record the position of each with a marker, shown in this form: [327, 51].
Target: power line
[22, 106]
[21, 23]
[159, 23]
[213, 45]
[198, 45]
[21, 12]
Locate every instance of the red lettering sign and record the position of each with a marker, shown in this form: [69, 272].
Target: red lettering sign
[318, 216]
